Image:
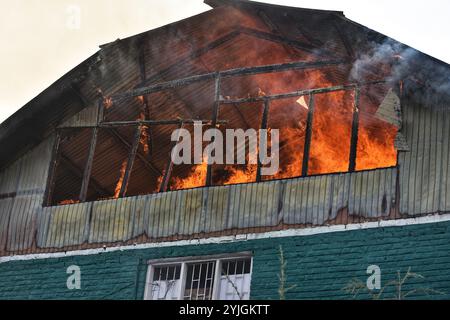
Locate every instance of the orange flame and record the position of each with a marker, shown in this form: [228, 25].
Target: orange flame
[197, 177]
[107, 102]
[241, 175]
[67, 202]
[120, 182]
[143, 140]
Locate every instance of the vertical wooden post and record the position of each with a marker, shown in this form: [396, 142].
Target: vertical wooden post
[169, 168]
[264, 125]
[130, 162]
[101, 111]
[88, 168]
[215, 116]
[355, 132]
[308, 135]
[51, 179]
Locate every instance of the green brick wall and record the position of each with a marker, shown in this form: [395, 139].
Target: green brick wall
[319, 266]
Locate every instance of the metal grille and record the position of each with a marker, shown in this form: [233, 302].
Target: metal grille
[214, 278]
[235, 280]
[200, 281]
[166, 282]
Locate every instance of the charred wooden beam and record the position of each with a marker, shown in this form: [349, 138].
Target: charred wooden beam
[193, 55]
[156, 122]
[306, 34]
[88, 168]
[130, 162]
[344, 38]
[168, 172]
[127, 145]
[228, 73]
[308, 135]
[215, 116]
[141, 59]
[355, 133]
[274, 29]
[302, 93]
[51, 178]
[288, 42]
[264, 125]
[101, 110]
[281, 67]
[143, 74]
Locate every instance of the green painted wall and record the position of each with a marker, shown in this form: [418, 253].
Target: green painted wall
[319, 266]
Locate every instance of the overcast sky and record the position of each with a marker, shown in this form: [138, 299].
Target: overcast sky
[44, 39]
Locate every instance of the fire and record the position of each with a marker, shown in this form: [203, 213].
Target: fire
[331, 133]
[375, 146]
[120, 182]
[261, 93]
[107, 102]
[197, 177]
[241, 175]
[67, 202]
[159, 182]
[143, 140]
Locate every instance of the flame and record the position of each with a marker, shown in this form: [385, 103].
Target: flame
[375, 146]
[66, 202]
[331, 133]
[241, 175]
[120, 182]
[261, 93]
[196, 178]
[143, 140]
[159, 182]
[107, 102]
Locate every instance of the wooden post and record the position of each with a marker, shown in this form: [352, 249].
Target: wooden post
[88, 168]
[51, 179]
[355, 132]
[264, 125]
[130, 162]
[215, 117]
[308, 136]
[169, 168]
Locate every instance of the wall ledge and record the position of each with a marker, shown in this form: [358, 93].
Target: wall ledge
[436, 218]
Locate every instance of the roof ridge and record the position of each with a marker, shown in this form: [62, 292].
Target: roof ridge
[218, 3]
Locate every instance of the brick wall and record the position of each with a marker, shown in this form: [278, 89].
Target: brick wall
[319, 266]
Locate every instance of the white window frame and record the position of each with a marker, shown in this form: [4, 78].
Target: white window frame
[184, 261]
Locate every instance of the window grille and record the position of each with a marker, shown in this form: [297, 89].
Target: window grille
[209, 279]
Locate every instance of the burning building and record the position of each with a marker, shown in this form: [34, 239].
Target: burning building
[87, 177]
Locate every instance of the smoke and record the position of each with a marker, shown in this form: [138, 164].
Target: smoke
[394, 61]
[389, 59]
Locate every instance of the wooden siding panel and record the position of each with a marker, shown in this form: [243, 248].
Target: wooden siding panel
[424, 171]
